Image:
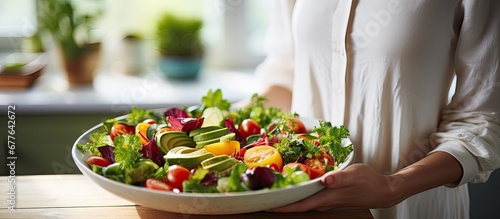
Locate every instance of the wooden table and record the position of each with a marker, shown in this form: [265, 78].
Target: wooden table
[76, 196]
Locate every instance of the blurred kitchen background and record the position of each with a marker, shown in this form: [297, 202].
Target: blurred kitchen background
[126, 45]
[137, 48]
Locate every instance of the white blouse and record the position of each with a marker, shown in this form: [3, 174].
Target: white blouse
[384, 68]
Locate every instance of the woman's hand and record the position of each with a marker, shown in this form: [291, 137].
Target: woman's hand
[359, 185]
[356, 186]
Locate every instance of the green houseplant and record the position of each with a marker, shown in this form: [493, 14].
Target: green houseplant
[70, 32]
[178, 41]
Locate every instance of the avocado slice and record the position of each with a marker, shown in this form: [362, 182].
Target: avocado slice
[221, 165]
[203, 143]
[203, 130]
[214, 160]
[210, 135]
[189, 160]
[168, 140]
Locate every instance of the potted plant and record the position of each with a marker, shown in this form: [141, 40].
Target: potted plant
[180, 46]
[70, 31]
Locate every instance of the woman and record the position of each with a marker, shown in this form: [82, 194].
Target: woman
[384, 68]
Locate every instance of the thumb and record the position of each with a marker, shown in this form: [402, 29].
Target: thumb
[351, 175]
[335, 179]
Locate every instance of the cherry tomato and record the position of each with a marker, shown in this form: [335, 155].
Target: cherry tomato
[149, 121]
[274, 167]
[316, 167]
[158, 184]
[296, 126]
[302, 167]
[177, 174]
[121, 129]
[262, 156]
[318, 164]
[230, 148]
[329, 159]
[99, 161]
[249, 127]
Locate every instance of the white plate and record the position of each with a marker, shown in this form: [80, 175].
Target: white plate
[201, 203]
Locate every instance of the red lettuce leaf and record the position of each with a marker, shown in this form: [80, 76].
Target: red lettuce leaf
[176, 112]
[184, 124]
[232, 128]
[107, 152]
[151, 151]
[209, 180]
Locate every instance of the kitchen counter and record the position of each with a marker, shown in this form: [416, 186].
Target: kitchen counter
[76, 196]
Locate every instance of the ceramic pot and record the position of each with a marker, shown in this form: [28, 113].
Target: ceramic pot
[81, 70]
[182, 68]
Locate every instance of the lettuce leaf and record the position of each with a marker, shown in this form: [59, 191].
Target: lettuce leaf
[176, 112]
[184, 124]
[151, 151]
[234, 183]
[107, 152]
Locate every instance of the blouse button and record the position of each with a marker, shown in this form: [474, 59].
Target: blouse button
[461, 135]
[340, 91]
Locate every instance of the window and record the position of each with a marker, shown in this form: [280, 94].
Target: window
[17, 20]
[235, 32]
[233, 29]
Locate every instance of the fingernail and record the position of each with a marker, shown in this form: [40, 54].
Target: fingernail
[329, 180]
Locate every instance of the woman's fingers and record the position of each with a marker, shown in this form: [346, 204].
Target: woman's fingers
[356, 186]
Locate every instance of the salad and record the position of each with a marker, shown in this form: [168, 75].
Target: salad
[212, 148]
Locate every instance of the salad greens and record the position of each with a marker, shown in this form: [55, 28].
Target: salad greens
[137, 115]
[195, 185]
[291, 176]
[234, 183]
[215, 99]
[256, 111]
[96, 140]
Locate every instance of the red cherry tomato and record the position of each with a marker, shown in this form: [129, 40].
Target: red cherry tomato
[176, 175]
[121, 129]
[274, 167]
[149, 121]
[316, 167]
[318, 164]
[249, 127]
[296, 126]
[157, 184]
[328, 158]
[99, 161]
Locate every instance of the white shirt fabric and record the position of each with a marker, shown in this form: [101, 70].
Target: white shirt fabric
[384, 69]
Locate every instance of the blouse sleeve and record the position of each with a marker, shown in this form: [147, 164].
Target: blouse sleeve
[470, 127]
[277, 68]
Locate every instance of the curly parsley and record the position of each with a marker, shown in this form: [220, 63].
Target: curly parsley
[127, 149]
[331, 140]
